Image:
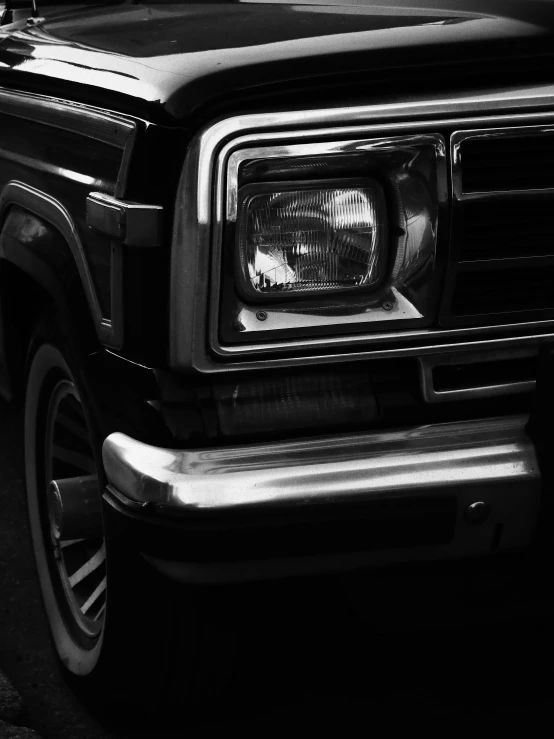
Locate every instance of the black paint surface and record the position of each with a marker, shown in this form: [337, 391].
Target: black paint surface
[169, 59]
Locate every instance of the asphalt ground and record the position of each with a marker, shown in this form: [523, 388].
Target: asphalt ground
[442, 649]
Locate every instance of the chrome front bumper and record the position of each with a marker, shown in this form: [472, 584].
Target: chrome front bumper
[490, 461]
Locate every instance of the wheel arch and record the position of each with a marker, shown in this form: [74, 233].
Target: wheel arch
[43, 267]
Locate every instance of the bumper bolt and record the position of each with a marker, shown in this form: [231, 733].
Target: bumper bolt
[477, 513]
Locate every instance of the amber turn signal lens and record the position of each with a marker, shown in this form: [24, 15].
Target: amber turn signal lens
[309, 241]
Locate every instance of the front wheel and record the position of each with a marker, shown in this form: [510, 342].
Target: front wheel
[117, 627]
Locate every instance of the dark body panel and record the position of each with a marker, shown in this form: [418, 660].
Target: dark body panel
[64, 157]
[172, 66]
[179, 63]
[166, 61]
[175, 64]
[52, 155]
[67, 166]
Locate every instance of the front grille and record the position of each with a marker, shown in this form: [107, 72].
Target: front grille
[502, 252]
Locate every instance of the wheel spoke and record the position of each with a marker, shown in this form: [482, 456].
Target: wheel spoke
[73, 458]
[94, 596]
[100, 612]
[92, 564]
[76, 428]
[70, 542]
[69, 464]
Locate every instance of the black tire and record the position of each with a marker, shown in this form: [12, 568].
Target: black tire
[135, 659]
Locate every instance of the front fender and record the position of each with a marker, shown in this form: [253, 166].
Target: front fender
[39, 272]
[39, 236]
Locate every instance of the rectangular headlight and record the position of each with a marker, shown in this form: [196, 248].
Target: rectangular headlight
[313, 239]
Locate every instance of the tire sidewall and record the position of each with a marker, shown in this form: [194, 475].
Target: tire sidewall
[46, 363]
[146, 659]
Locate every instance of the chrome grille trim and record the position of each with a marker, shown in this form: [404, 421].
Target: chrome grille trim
[460, 137]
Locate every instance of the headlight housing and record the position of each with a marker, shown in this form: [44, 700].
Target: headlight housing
[329, 238]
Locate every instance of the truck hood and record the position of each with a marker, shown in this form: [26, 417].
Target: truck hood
[167, 61]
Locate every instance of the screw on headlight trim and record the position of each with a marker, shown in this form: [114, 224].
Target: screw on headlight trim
[388, 305]
[261, 315]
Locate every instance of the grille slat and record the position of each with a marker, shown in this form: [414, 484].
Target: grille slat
[510, 227]
[511, 163]
[509, 290]
[503, 240]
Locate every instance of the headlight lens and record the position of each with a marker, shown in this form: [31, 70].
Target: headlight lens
[296, 241]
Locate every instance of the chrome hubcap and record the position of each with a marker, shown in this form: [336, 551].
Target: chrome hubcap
[74, 512]
[74, 508]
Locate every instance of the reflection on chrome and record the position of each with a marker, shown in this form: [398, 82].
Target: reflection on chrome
[346, 467]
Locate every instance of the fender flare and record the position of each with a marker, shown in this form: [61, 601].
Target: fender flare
[51, 210]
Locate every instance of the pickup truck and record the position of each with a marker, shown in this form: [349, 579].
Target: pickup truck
[276, 285]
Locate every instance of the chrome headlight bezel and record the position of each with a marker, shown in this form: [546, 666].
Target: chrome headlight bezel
[415, 177]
